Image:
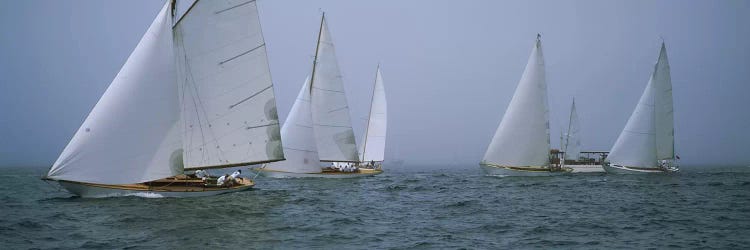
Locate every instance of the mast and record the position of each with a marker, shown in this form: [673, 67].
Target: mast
[317, 47]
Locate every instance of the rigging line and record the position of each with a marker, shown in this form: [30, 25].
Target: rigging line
[241, 54]
[188, 77]
[204, 156]
[248, 98]
[219, 12]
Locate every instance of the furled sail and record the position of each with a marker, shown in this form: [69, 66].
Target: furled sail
[226, 93]
[572, 138]
[330, 112]
[299, 141]
[522, 138]
[132, 134]
[649, 134]
[373, 148]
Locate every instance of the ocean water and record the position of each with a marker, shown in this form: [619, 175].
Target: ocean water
[455, 207]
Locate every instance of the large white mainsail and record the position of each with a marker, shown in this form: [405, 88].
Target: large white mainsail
[373, 147]
[522, 138]
[299, 141]
[649, 134]
[228, 104]
[330, 111]
[572, 147]
[132, 134]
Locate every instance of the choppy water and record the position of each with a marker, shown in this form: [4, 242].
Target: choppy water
[399, 209]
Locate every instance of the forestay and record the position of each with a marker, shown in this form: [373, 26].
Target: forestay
[330, 111]
[227, 97]
[299, 142]
[373, 148]
[132, 134]
[636, 145]
[522, 138]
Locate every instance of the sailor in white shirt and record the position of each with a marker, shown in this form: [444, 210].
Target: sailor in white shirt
[222, 180]
[233, 177]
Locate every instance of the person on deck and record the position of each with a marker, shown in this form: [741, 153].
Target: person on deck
[222, 181]
[201, 174]
[234, 176]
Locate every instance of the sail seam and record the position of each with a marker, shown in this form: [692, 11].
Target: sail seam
[242, 54]
[330, 90]
[250, 97]
[221, 11]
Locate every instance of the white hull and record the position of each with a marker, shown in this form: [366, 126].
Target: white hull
[337, 175]
[101, 191]
[586, 168]
[617, 169]
[502, 171]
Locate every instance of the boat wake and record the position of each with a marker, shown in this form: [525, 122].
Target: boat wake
[148, 195]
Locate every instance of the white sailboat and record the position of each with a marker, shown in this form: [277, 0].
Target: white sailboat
[646, 145]
[191, 96]
[571, 147]
[373, 147]
[572, 142]
[521, 144]
[318, 130]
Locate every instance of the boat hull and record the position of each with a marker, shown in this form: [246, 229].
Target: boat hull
[90, 190]
[617, 169]
[586, 168]
[330, 175]
[506, 171]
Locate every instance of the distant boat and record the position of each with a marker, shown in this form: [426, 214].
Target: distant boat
[521, 145]
[572, 142]
[191, 96]
[646, 145]
[319, 128]
[373, 147]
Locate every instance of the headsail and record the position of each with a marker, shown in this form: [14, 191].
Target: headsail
[330, 111]
[573, 138]
[522, 138]
[299, 141]
[227, 98]
[132, 134]
[373, 148]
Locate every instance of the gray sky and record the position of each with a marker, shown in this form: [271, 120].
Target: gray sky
[450, 68]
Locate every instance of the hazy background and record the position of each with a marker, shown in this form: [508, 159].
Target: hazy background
[450, 68]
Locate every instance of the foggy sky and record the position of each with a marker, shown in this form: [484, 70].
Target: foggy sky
[449, 68]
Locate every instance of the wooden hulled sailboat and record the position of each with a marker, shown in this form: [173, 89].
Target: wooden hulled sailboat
[319, 130]
[646, 144]
[521, 145]
[196, 93]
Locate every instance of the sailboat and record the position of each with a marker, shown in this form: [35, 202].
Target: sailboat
[195, 94]
[373, 147]
[572, 142]
[646, 144]
[521, 144]
[318, 130]
[571, 147]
